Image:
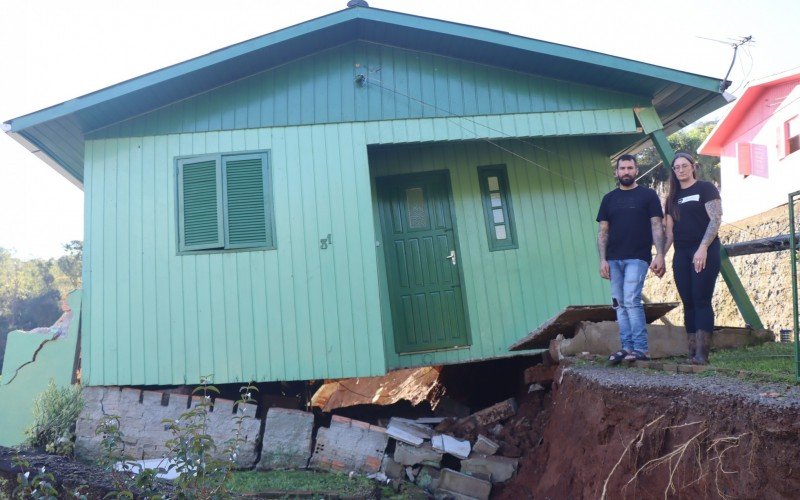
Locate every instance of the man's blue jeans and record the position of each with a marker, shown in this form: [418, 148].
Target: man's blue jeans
[627, 279]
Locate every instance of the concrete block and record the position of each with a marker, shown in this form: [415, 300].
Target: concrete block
[456, 483]
[500, 469]
[350, 445]
[406, 454]
[448, 444]
[391, 468]
[485, 446]
[287, 439]
[428, 478]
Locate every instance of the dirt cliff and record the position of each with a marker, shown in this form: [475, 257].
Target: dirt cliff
[626, 433]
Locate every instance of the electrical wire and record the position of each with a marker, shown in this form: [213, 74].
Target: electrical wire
[454, 118]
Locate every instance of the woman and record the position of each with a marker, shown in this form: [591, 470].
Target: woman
[693, 217]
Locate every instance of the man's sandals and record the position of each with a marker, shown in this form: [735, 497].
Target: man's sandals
[617, 357]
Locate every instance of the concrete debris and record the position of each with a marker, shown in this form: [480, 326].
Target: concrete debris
[414, 385]
[391, 468]
[535, 388]
[485, 446]
[463, 486]
[428, 478]
[417, 455]
[350, 445]
[408, 431]
[287, 439]
[448, 444]
[499, 469]
[490, 415]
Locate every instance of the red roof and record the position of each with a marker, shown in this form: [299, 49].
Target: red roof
[720, 135]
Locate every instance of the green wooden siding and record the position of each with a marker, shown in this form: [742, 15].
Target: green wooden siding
[401, 84]
[302, 312]
[509, 293]
[297, 312]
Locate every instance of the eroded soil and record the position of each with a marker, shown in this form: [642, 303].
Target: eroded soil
[629, 433]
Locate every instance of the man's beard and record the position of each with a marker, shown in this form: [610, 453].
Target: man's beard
[627, 181]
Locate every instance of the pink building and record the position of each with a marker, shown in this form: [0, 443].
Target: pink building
[758, 143]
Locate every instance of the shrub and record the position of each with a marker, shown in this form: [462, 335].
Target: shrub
[55, 412]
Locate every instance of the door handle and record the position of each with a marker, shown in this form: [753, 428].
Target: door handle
[452, 257]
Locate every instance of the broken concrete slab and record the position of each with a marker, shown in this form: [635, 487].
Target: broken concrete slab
[408, 431]
[664, 340]
[448, 444]
[463, 486]
[414, 385]
[350, 445]
[287, 439]
[500, 469]
[485, 446]
[425, 454]
[564, 322]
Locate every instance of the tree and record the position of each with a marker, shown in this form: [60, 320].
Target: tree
[71, 263]
[687, 141]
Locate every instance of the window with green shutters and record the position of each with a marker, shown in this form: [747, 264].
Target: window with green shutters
[225, 202]
[497, 211]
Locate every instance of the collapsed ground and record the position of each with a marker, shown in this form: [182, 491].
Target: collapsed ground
[599, 432]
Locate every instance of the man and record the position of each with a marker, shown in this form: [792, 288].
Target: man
[630, 220]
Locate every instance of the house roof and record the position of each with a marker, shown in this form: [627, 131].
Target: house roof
[56, 134]
[721, 134]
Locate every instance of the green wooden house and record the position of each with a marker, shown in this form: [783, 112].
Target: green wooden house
[362, 192]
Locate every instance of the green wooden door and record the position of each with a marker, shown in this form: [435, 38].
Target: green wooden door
[421, 262]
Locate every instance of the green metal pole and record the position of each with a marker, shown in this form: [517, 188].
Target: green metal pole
[793, 258]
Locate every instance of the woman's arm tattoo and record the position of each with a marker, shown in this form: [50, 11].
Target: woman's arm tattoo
[714, 210]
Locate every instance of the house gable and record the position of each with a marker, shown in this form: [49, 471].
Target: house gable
[399, 84]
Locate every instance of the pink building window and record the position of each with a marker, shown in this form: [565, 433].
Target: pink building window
[752, 159]
[791, 136]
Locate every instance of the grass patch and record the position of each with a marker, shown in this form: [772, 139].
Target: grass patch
[302, 482]
[771, 360]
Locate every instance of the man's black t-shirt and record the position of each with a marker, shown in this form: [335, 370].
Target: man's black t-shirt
[688, 229]
[628, 213]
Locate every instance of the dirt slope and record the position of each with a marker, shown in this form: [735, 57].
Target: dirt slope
[606, 424]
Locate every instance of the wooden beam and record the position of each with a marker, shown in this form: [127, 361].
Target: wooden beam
[763, 245]
[739, 294]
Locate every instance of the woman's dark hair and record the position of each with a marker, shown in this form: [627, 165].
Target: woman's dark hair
[675, 186]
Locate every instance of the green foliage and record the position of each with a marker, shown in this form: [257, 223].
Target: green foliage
[687, 141]
[55, 412]
[41, 485]
[769, 361]
[193, 450]
[31, 291]
[289, 481]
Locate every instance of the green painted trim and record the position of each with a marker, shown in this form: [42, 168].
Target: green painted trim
[738, 292]
[649, 119]
[662, 145]
[499, 171]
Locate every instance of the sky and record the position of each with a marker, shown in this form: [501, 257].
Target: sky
[52, 51]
